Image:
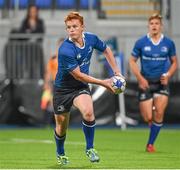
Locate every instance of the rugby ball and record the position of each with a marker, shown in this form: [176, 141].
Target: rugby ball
[118, 84]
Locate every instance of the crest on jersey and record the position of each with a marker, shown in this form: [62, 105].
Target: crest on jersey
[90, 49]
[78, 56]
[164, 49]
[147, 48]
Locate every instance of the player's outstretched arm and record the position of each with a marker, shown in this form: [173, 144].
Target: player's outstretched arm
[78, 75]
[112, 62]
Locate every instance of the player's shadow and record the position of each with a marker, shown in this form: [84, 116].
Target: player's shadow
[69, 167]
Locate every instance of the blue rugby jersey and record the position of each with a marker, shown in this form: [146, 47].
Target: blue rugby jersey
[70, 57]
[154, 58]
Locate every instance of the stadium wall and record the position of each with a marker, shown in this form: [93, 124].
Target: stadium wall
[126, 31]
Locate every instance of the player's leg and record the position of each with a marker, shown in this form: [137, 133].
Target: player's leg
[160, 98]
[85, 104]
[146, 110]
[160, 103]
[145, 98]
[147, 113]
[62, 122]
[62, 103]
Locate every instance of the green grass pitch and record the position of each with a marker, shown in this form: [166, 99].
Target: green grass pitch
[35, 149]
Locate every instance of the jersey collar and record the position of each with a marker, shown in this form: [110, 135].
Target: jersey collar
[160, 39]
[83, 36]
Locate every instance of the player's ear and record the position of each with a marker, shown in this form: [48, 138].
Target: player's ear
[83, 27]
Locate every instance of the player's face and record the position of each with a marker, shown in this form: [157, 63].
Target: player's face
[74, 29]
[155, 26]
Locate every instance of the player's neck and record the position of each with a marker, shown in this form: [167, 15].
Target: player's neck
[79, 42]
[155, 37]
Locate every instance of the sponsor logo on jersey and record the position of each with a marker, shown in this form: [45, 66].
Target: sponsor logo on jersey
[84, 62]
[155, 55]
[147, 48]
[154, 58]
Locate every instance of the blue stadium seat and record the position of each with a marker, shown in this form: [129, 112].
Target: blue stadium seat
[1, 3]
[22, 3]
[45, 4]
[84, 4]
[65, 4]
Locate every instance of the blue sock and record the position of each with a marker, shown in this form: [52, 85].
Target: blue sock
[59, 143]
[89, 128]
[154, 130]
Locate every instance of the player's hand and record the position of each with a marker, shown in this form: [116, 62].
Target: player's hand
[164, 79]
[107, 83]
[120, 75]
[143, 83]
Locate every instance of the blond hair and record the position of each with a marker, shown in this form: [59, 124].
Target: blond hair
[155, 16]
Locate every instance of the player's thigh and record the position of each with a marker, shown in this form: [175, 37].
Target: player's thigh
[85, 104]
[62, 122]
[160, 103]
[146, 109]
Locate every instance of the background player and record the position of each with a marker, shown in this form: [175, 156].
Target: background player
[49, 77]
[71, 84]
[158, 59]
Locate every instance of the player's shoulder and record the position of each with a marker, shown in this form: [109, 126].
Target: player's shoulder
[89, 35]
[66, 47]
[66, 44]
[141, 40]
[168, 39]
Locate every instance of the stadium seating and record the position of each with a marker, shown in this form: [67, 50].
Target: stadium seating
[85, 3]
[2, 2]
[22, 3]
[65, 4]
[47, 4]
[43, 4]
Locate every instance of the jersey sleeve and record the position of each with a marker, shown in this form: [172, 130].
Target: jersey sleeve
[99, 44]
[67, 57]
[136, 52]
[69, 63]
[172, 51]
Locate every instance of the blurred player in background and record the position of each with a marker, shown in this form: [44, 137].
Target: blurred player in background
[158, 61]
[71, 84]
[49, 77]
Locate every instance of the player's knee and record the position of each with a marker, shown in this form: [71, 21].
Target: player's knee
[159, 116]
[88, 114]
[60, 130]
[147, 119]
